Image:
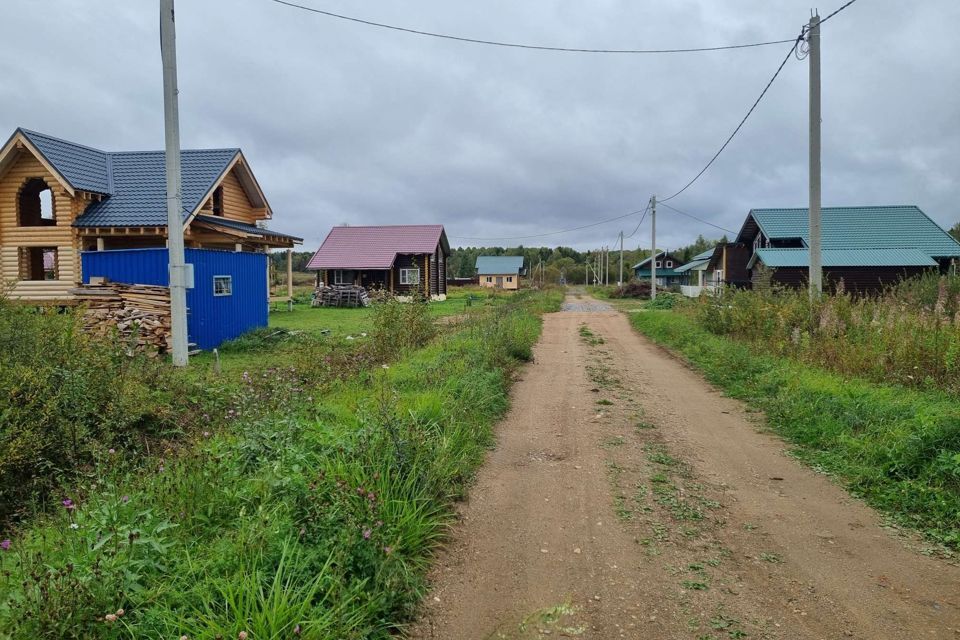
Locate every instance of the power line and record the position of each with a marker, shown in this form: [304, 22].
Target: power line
[690, 215]
[517, 45]
[642, 218]
[793, 49]
[552, 233]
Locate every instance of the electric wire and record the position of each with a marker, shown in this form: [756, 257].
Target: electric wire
[793, 50]
[642, 218]
[551, 233]
[698, 219]
[518, 45]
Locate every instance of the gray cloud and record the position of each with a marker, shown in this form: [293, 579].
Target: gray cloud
[345, 123]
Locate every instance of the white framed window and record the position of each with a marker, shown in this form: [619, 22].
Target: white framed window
[223, 285]
[658, 264]
[409, 276]
[669, 264]
[489, 278]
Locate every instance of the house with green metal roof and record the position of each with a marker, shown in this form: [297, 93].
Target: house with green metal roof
[500, 272]
[666, 267]
[695, 274]
[866, 247]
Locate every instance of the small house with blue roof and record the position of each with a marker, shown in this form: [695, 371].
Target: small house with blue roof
[666, 267]
[867, 248]
[69, 213]
[500, 272]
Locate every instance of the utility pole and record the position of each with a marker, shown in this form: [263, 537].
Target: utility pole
[171, 121]
[606, 266]
[653, 241]
[620, 282]
[816, 268]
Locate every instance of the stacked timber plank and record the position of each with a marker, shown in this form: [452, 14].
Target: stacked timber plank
[139, 314]
[341, 295]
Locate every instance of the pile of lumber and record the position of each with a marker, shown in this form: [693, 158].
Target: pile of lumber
[139, 314]
[341, 295]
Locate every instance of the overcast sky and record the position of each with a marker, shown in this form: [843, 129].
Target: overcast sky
[345, 123]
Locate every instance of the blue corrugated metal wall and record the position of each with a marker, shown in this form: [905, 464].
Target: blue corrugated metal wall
[210, 319]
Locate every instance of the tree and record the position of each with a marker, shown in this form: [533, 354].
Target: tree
[955, 232]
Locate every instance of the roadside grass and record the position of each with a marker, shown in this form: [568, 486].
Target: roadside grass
[313, 512]
[897, 448]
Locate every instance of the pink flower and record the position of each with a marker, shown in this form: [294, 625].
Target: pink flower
[111, 451]
[125, 499]
[242, 635]
[296, 630]
[120, 613]
[367, 533]
[388, 550]
[5, 545]
[110, 617]
[68, 504]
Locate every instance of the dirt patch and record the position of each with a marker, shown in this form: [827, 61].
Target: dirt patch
[626, 498]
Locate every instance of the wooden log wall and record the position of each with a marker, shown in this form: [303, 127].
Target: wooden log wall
[12, 236]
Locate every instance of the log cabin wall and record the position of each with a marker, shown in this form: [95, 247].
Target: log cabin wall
[16, 240]
[235, 203]
[409, 261]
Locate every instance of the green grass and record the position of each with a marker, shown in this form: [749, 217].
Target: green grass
[897, 448]
[320, 505]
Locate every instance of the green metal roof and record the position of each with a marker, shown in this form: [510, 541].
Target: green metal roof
[885, 227]
[777, 258]
[499, 265]
[693, 264]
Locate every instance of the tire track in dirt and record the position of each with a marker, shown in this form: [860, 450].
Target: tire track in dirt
[626, 498]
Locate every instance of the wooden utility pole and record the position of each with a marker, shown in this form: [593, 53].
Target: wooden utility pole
[816, 268]
[620, 282]
[171, 118]
[653, 241]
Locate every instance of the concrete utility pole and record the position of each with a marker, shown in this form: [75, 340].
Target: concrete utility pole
[620, 282]
[171, 121]
[653, 241]
[816, 268]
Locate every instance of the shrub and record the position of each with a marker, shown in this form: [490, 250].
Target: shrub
[401, 326]
[639, 289]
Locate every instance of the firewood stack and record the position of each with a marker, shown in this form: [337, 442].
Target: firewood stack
[139, 314]
[341, 296]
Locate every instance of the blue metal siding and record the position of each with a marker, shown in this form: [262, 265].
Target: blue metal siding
[211, 319]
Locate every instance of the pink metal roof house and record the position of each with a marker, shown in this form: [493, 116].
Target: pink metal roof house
[399, 258]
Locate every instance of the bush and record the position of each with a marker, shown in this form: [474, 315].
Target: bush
[66, 398]
[401, 326]
[640, 289]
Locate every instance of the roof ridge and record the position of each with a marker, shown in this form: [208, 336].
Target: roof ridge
[145, 151]
[62, 140]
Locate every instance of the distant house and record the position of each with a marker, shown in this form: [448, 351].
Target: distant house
[666, 265]
[69, 212]
[695, 274]
[865, 247]
[500, 272]
[398, 258]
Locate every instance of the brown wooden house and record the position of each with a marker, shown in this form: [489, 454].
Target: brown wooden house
[59, 199]
[398, 258]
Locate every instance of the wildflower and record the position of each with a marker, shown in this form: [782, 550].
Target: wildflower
[184, 637]
[206, 434]
[388, 550]
[111, 451]
[379, 523]
[74, 525]
[5, 545]
[242, 635]
[296, 630]
[120, 613]
[110, 617]
[68, 504]
[125, 499]
[384, 366]
[367, 533]
[360, 490]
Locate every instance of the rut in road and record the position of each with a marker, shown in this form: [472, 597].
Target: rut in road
[628, 499]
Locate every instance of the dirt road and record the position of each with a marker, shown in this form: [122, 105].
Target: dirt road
[628, 499]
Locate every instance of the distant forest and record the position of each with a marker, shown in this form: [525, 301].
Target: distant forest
[556, 260]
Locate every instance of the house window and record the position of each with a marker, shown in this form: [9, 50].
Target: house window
[669, 264]
[409, 276]
[223, 285]
[35, 204]
[658, 264]
[218, 201]
[509, 278]
[38, 263]
[489, 278]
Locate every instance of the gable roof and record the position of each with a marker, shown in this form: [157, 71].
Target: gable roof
[376, 247]
[843, 258]
[245, 228]
[133, 183]
[699, 260]
[882, 227]
[499, 265]
[645, 261]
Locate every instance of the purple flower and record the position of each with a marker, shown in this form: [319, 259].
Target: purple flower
[68, 504]
[125, 499]
[367, 533]
[5, 545]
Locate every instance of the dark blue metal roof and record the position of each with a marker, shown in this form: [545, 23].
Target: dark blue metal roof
[138, 196]
[247, 228]
[83, 167]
